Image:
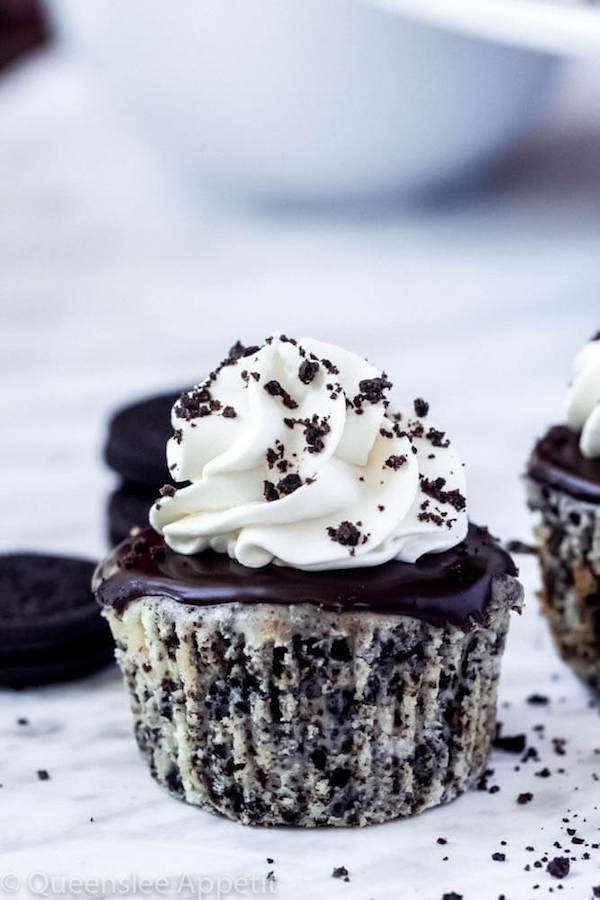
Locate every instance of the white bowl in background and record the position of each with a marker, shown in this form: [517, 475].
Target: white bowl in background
[307, 99]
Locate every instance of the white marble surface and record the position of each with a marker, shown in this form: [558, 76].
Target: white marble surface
[116, 282]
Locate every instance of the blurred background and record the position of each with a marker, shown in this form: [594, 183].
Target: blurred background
[420, 183]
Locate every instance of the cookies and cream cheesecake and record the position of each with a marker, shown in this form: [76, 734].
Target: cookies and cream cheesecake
[563, 484]
[310, 628]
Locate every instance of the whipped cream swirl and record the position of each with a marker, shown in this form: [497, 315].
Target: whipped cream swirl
[583, 399]
[294, 456]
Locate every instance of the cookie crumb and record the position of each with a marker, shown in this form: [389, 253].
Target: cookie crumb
[341, 872]
[558, 867]
[421, 407]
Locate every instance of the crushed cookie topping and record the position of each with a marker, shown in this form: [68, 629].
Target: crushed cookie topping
[435, 489]
[395, 462]
[307, 371]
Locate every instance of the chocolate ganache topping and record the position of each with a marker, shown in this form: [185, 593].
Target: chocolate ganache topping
[558, 462]
[449, 587]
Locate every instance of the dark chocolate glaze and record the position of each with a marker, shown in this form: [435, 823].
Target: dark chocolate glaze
[558, 462]
[440, 587]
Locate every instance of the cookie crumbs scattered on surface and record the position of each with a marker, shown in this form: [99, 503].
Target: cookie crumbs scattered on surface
[167, 490]
[43, 775]
[525, 797]
[341, 872]
[514, 743]
[22, 721]
[271, 876]
[270, 861]
[421, 407]
[559, 867]
[452, 895]
[437, 438]
[442, 840]
[538, 700]
[229, 413]
[435, 490]
[499, 857]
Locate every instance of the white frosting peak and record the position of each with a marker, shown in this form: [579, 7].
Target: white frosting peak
[295, 457]
[583, 399]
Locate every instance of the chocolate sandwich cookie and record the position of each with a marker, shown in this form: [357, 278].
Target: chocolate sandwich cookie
[137, 435]
[50, 626]
[135, 449]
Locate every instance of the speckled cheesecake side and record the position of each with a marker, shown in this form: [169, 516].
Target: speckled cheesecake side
[290, 714]
[569, 547]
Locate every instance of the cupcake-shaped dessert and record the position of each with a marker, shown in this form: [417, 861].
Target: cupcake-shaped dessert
[311, 631]
[563, 483]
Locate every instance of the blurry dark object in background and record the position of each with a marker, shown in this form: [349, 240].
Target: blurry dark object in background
[129, 506]
[136, 449]
[23, 28]
[50, 625]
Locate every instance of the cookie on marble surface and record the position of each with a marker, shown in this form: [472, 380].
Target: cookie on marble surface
[137, 435]
[50, 626]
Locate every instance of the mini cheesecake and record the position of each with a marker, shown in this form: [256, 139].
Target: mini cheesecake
[563, 486]
[310, 631]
